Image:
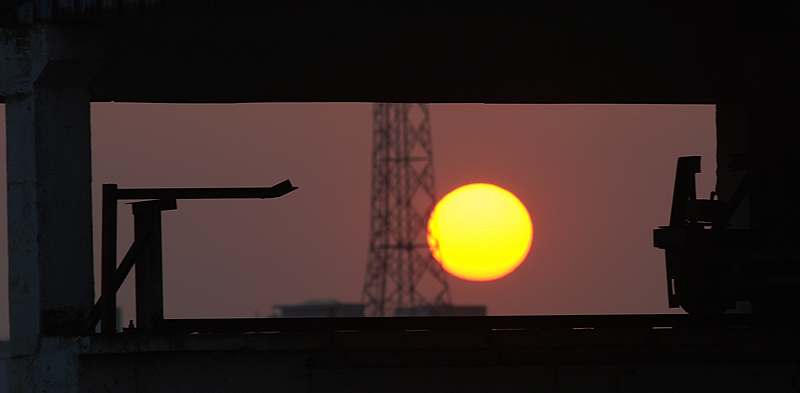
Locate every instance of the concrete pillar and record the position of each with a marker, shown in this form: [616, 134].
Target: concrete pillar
[758, 135]
[732, 155]
[45, 72]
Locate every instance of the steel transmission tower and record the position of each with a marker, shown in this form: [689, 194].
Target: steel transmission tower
[401, 273]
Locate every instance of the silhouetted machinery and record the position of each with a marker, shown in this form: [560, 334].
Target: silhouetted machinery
[712, 266]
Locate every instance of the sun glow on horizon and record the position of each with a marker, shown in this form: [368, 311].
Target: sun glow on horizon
[480, 232]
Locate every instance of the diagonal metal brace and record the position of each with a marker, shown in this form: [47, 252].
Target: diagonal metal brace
[133, 254]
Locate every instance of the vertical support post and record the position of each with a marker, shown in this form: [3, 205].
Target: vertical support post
[108, 323]
[149, 275]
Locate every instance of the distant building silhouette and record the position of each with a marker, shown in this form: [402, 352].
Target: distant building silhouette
[320, 309]
[442, 310]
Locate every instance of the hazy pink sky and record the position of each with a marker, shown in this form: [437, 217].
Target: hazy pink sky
[597, 179]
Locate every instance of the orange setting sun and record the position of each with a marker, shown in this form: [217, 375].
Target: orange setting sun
[480, 232]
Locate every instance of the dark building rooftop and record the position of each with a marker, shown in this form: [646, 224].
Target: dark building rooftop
[321, 308]
[444, 310]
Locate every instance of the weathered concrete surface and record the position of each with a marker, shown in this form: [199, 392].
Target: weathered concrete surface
[55, 367]
[45, 74]
[561, 360]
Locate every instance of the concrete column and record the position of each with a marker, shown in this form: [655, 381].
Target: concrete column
[733, 155]
[45, 72]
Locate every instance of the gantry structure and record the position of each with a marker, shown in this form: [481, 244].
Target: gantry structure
[403, 197]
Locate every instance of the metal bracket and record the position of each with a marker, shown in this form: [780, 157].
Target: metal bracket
[145, 252]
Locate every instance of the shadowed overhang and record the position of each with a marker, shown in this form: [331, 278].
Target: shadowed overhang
[421, 51]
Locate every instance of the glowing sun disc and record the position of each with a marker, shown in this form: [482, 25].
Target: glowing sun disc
[480, 232]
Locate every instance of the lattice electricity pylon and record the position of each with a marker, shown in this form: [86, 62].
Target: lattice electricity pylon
[403, 196]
